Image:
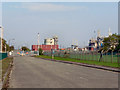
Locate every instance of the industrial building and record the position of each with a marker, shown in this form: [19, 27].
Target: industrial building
[49, 43]
[96, 44]
[44, 47]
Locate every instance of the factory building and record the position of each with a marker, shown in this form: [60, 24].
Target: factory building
[96, 44]
[49, 43]
[44, 47]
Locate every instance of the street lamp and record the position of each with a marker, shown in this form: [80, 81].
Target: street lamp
[38, 42]
[1, 37]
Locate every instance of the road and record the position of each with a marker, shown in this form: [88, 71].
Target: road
[30, 72]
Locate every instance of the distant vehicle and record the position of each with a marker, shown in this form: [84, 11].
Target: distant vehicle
[22, 53]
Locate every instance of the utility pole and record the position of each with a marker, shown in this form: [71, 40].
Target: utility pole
[38, 41]
[98, 33]
[1, 38]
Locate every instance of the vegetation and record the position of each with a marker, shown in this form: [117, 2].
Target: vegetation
[5, 64]
[111, 43]
[6, 46]
[82, 61]
[118, 46]
[24, 48]
[40, 51]
[11, 48]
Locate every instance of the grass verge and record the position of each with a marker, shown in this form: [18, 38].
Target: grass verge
[6, 68]
[5, 64]
[108, 64]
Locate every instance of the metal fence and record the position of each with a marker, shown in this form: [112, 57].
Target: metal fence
[91, 55]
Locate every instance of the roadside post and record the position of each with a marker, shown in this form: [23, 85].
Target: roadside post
[53, 51]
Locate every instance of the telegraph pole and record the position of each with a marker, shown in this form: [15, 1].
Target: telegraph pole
[1, 38]
[38, 41]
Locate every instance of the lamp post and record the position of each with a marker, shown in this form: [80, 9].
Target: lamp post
[1, 38]
[38, 42]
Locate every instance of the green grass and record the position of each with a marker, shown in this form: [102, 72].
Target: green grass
[95, 57]
[93, 62]
[88, 56]
[5, 64]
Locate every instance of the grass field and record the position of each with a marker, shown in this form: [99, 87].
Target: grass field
[93, 62]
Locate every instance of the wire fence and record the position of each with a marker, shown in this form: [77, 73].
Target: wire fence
[91, 55]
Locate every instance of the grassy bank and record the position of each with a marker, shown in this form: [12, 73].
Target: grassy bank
[82, 61]
[5, 64]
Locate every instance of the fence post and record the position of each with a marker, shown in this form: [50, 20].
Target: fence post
[85, 55]
[93, 55]
[82, 55]
[105, 60]
[118, 55]
[112, 58]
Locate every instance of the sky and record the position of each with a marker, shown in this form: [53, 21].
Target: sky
[70, 21]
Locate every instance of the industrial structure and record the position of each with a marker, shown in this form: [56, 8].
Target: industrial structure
[49, 44]
[74, 46]
[96, 44]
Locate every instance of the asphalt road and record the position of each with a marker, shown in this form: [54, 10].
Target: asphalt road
[30, 72]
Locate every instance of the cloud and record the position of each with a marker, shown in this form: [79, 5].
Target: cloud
[47, 7]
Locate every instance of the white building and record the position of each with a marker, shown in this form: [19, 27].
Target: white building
[49, 41]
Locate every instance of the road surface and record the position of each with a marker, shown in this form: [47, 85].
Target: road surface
[30, 72]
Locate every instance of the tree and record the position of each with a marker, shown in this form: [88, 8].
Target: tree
[5, 45]
[118, 46]
[110, 43]
[40, 51]
[11, 48]
[24, 48]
